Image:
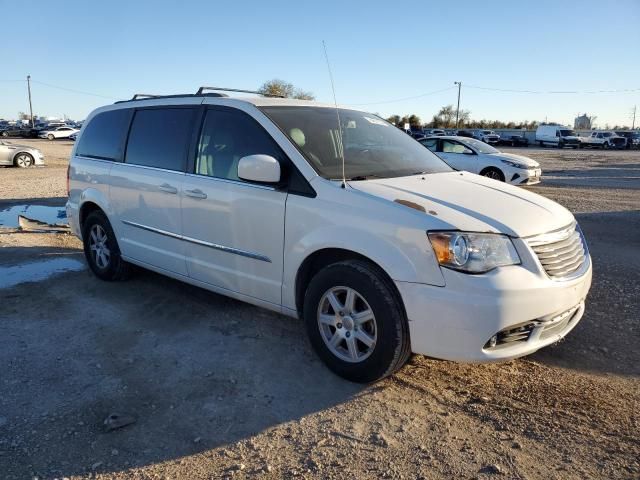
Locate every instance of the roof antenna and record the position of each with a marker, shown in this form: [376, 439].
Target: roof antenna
[335, 102]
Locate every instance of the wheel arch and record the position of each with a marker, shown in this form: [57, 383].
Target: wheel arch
[324, 257]
[492, 167]
[14, 159]
[86, 209]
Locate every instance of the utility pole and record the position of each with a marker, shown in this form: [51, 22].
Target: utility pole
[633, 124]
[30, 106]
[458, 109]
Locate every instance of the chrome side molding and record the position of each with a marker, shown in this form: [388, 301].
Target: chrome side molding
[215, 246]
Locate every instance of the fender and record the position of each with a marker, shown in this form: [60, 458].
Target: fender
[394, 257]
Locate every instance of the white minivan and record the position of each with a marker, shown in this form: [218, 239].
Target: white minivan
[351, 225]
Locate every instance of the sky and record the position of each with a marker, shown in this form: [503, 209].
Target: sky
[83, 54]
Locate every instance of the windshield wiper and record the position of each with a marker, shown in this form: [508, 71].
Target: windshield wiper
[364, 177]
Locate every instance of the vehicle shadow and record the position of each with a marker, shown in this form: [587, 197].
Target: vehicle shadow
[195, 369]
[607, 338]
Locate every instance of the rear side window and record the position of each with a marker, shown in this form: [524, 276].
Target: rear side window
[104, 136]
[160, 138]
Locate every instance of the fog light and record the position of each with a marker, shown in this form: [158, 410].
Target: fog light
[492, 341]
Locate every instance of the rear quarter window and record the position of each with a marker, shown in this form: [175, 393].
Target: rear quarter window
[104, 135]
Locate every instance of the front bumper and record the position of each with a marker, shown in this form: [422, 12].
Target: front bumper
[457, 322]
[523, 177]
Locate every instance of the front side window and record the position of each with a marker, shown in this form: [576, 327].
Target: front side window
[104, 135]
[452, 147]
[227, 136]
[372, 147]
[160, 138]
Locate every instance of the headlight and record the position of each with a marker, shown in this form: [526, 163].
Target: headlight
[513, 164]
[473, 252]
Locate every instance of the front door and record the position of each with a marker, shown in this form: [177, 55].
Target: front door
[453, 153]
[233, 230]
[146, 189]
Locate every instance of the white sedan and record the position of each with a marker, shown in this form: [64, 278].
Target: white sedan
[59, 132]
[474, 156]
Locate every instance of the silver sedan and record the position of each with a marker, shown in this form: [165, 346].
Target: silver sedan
[20, 155]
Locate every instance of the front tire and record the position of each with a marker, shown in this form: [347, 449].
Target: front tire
[493, 173]
[23, 160]
[356, 322]
[101, 248]
[51, 137]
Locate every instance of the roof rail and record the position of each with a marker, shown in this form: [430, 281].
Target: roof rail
[202, 89]
[139, 96]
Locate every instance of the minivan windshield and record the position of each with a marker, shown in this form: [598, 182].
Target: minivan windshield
[373, 148]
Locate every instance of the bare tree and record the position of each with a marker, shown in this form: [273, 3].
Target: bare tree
[281, 88]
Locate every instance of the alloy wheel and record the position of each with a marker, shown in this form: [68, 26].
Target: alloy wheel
[347, 324]
[98, 246]
[23, 160]
[492, 174]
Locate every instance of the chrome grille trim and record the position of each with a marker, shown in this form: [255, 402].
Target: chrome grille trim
[562, 254]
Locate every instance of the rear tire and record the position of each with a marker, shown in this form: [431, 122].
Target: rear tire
[356, 322]
[101, 249]
[493, 173]
[50, 137]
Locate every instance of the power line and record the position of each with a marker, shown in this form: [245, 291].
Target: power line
[405, 98]
[73, 90]
[542, 92]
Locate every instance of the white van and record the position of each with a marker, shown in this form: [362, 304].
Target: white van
[377, 244]
[557, 135]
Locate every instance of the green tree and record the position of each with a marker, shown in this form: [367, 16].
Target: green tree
[394, 119]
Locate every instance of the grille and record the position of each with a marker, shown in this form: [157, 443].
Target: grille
[562, 253]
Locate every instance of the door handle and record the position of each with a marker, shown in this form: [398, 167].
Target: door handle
[165, 187]
[197, 193]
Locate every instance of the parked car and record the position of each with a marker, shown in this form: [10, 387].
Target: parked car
[434, 132]
[513, 140]
[487, 136]
[74, 136]
[59, 132]
[19, 155]
[465, 133]
[603, 140]
[632, 137]
[557, 135]
[382, 249]
[478, 157]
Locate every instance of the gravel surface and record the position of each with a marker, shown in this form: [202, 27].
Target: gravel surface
[218, 389]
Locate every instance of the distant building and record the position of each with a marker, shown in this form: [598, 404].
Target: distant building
[582, 122]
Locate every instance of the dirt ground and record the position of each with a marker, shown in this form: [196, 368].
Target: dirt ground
[219, 388]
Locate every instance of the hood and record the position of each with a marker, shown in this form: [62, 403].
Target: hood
[464, 201]
[516, 158]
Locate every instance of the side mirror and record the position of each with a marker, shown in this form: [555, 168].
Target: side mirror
[259, 168]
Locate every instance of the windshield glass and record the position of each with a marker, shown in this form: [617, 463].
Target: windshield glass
[567, 133]
[478, 146]
[372, 146]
